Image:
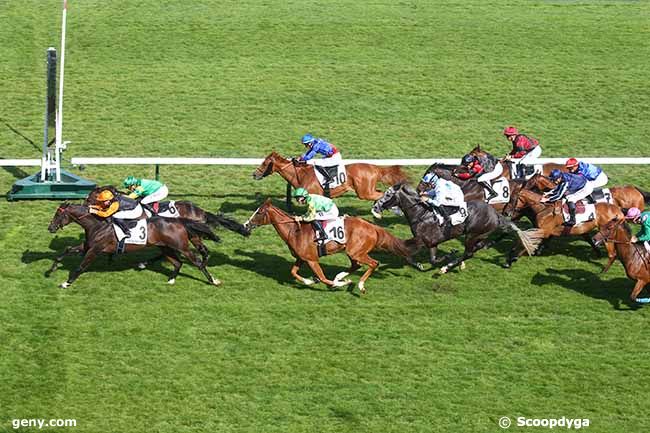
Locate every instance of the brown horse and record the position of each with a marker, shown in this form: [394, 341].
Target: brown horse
[625, 197]
[173, 236]
[549, 219]
[507, 165]
[362, 178]
[635, 259]
[362, 237]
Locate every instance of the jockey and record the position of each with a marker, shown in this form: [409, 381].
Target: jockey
[572, 187]
[643, 218]
[594, 174]
[149, 191]
[331, 155]
[442, 195]
[319, 209]
[118, 208]
[486, 167]
[524, 149]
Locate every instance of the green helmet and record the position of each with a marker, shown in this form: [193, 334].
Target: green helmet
[131, 180]
[300, 192]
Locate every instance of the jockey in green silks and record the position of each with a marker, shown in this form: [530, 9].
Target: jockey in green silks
[319, 209]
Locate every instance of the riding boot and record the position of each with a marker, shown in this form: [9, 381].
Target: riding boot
[520, 171]
[491, 192]
[319, 231]
[572, 215]
[123, 226]
[149, 207]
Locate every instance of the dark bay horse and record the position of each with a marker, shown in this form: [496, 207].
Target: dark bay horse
[186, 209]
[362, 178]
[482, 220]
[507, 165]
[549, 219]
[172, 236]
[362, 238]
[635, 259]
[625, 197]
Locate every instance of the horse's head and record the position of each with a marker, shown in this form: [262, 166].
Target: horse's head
[61, 218]
[268, 166]
[398, 195]
[477, 151]
[614, 230]
[260, 217]
[539, 182]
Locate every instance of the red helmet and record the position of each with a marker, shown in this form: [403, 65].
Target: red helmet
[510, 130]
[571, 162]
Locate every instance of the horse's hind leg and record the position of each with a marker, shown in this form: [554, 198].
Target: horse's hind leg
[199, 264]
[472, 245]
[172, 258]
[366, 189]
[640, 284]
[372, 265]
[201, 248]
[354, 265]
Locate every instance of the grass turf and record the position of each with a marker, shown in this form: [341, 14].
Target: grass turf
[123, 351]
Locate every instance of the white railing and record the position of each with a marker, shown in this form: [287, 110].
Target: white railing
[258, 161]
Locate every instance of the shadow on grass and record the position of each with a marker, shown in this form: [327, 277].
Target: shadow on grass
[615, 291]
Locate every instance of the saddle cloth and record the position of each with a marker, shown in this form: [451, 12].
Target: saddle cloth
[458, 217]
[601, 195]
[501, 186]
[335, 230]
[166, 209]
[529, 170]
[585, 212]
[336, 172]
[138, 232]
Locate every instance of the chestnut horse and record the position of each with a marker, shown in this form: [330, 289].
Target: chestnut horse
[635, 259]
[362, 178]
[549, 219]
[362, 237]
[173, 236]
[625, 197]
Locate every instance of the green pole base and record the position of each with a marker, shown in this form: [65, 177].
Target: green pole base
[70, 187]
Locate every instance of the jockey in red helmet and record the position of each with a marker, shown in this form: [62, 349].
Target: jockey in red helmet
[524, 149]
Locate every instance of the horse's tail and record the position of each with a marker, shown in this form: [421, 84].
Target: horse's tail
[646, 195]
[392, 244]
[530, 238]
[214, 220]
[199, 229]
[391, 175]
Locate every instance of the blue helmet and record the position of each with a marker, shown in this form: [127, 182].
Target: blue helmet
[555, 174]
[468, 159]
[430, 178]
[308, 139]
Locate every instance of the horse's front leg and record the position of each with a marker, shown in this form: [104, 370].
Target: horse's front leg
[294, 272]
[471, 246]
[78, 249]
[611, 254]
[89, 257]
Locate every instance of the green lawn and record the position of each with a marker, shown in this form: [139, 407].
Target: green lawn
[122, 351]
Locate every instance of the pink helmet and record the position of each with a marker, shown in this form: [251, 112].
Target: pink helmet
[510, 130]
[633, 213]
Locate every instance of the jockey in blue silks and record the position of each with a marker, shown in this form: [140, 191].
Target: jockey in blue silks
[573, 187]
[331, 155]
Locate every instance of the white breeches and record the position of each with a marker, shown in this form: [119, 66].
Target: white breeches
[129, 214]
[327, 162]
[600, 181]
[486, 177]
[159, 195]
[580, 194]
[331, 214]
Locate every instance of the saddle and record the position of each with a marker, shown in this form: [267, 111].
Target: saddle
[580, 207]
[600, 195]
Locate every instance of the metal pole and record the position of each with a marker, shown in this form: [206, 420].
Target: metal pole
[59, 117]
[157, 172]
[289, 202]
[50, 110]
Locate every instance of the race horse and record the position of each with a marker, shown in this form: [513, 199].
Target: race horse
[507, 165]
[481, 221]
[360, 177]
[183, 209]
[362, 238]
[172, 236]
[635, 258]
[549, 219]
[625, 197]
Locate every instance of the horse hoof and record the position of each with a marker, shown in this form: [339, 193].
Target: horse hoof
[341, 283]
[171, 281]
[341, 275]
[142, 265]
[216, 282]
[444, 269]
[375, 214]
[308, 281]
[419, 267]
[64, 285]
[506, 266]
[462, 266]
